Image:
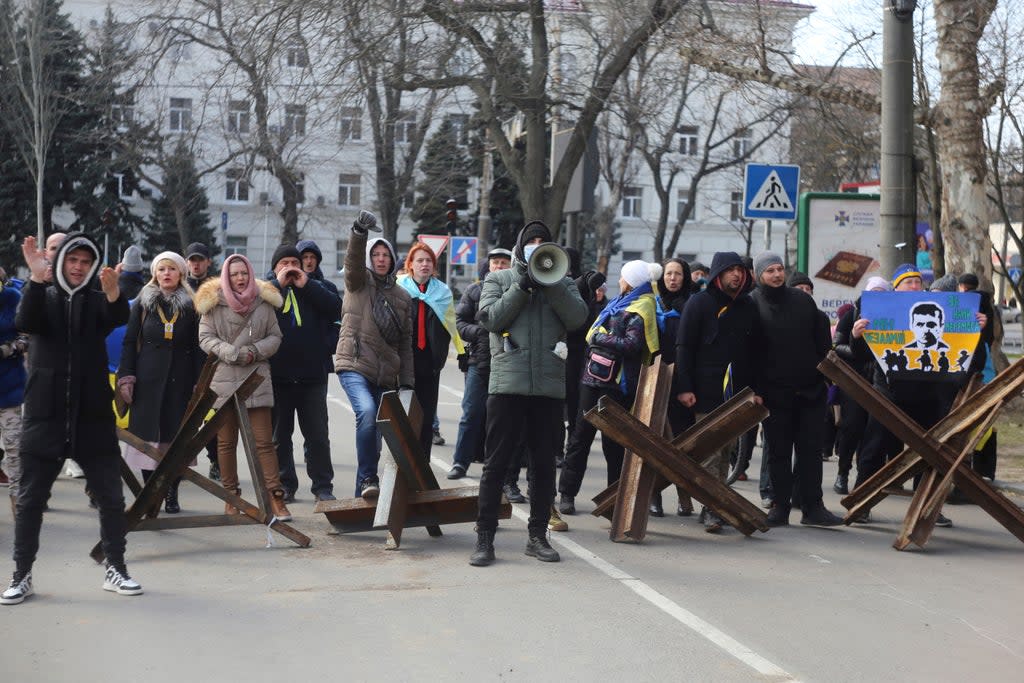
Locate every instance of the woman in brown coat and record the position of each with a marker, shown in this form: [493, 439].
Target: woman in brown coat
[239, 327]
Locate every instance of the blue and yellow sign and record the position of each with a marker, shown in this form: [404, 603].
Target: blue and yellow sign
[922, 335]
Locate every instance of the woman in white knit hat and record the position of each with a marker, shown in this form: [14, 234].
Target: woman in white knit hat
[623, 338]
[160, 361]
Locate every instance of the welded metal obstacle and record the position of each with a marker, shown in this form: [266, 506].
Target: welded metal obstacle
[410, 495]
[677, 461]
[938, 454]
[191, 438]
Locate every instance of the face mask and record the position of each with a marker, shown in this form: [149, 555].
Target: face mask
[528, 251]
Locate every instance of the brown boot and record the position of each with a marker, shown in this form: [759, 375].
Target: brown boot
[230, 509]
[277, 506]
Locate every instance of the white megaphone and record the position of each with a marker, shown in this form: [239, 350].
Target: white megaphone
[548, 264]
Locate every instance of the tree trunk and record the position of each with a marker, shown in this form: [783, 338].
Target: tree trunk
[961, 143]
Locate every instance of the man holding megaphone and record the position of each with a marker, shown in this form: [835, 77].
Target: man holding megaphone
[527, 309]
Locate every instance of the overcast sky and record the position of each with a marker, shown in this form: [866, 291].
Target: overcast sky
[821, 38]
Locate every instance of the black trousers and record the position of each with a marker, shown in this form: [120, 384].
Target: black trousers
[879, 444]
[509, 418]
[427, 385]
[793, 435]
[852, 420]
[309, 403]
[578, 452]
[102, 478]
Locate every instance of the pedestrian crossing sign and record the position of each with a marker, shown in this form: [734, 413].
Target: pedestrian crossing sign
[770, 191]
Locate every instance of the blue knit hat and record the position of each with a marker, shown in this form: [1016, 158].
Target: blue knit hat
[902, 272]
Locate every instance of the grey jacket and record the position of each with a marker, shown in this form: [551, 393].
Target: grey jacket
[535, 322]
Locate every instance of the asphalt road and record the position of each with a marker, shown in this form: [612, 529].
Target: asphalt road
[797, 603]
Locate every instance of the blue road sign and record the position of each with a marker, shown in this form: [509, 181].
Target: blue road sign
[224, 221]
[463, 251]
[770, 191]
[1015, 275]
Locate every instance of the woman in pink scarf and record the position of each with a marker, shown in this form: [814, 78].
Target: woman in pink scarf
[239, 327]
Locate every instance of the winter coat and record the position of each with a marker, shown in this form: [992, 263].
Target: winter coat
[67, 410]
[843, 343]
[429, 361]
[221, 334]
[792, 338]
[361, 347]
[130, 284]
[299, 360]
[624, 341]
[165, 370]
[715, 331]
[475, 335]
[332, 325]
[12, 368]
[535, 321]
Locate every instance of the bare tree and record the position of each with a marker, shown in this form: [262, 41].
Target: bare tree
[37, 44]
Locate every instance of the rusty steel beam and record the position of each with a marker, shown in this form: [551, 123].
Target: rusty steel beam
[938, 455]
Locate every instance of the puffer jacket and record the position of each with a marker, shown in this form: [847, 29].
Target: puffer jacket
[221, 334]
[535, 321]
[473, 333]
[361, 348]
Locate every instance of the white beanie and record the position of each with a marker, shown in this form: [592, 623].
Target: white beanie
[174, 258]
[877, 282]
[635, 273]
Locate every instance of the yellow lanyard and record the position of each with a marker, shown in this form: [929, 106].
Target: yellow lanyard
[292, 306]
[168, 324]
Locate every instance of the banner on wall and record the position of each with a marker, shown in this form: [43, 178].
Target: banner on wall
[922, 335]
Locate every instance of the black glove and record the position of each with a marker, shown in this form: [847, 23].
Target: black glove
[595, 280]
[365, 222]
[527, 283]
[463, 362]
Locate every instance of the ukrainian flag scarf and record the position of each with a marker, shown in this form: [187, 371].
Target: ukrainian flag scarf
[439, 298]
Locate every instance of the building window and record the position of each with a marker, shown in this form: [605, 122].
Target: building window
[236, 244]
[297, 55]
[236, 186]
[736, 206]
[631, 256]
[181, 52]
[460, 128]
[124, 190]
[405, 126]
[122, 111]
[238, 116]
[351, 123]
[631, 205]
[181, 114]
[300, 188]
[689, 145]
[295, 119]
[682, 200]
[742, 143]
[348, 189]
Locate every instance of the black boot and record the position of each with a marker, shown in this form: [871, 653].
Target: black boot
[778, 515]
[656, 509]
[539, 547]
[842, 485]
[171, 499]
[484, 553]
[818, 515]
[566, 505]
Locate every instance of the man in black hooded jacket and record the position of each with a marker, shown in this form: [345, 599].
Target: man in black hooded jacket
[67, 411]
[713, 350]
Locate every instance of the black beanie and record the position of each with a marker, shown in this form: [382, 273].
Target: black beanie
[530, 231]
[798, 278]
[284, 251]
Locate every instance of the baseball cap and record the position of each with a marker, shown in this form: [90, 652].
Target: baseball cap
[197, 249]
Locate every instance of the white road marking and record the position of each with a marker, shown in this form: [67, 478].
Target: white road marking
[688, 619]
[819, 558]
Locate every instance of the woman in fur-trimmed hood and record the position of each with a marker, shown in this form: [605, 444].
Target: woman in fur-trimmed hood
[239, 327]
[160, 361]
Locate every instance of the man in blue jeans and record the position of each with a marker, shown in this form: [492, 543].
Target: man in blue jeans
[374, 351]
[470, 443]
[299, 372]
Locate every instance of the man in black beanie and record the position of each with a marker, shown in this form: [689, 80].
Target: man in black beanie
[527, 322]
[299, 372]
[792, 338]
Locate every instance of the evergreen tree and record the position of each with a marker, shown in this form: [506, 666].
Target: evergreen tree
[445, 170]
[179, 216]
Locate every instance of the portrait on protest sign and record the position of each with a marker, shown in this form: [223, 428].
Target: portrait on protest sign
[922, 335]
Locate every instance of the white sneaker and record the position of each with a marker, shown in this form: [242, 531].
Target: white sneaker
[73, 470]
[20, 588]
[118, 581]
